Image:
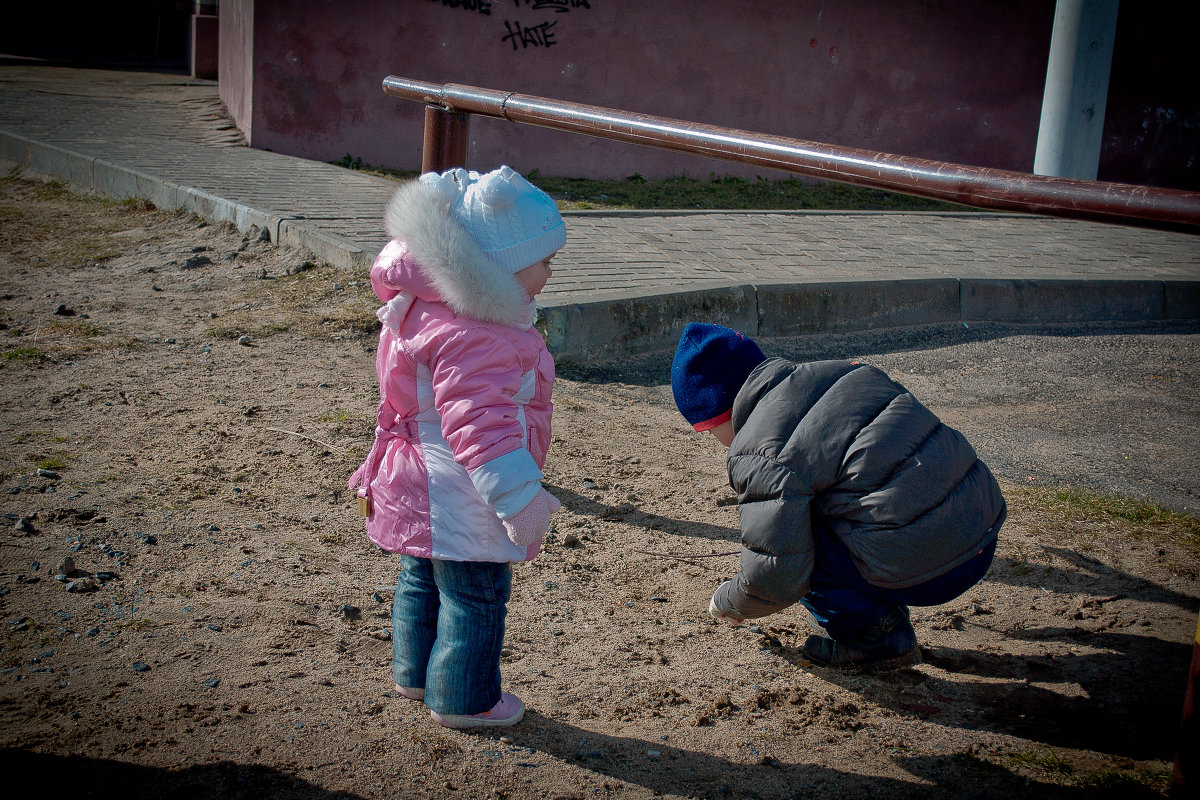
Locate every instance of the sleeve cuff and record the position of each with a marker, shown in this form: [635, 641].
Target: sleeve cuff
[509, 482]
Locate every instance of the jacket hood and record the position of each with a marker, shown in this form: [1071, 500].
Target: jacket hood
[450, 265]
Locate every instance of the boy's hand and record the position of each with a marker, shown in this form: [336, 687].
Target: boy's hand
[530, 524]
[717, 613]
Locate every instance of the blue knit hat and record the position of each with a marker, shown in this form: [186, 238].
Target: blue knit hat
[711, 364]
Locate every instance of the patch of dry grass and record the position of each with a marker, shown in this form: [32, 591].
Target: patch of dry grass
[49, 237]
[1079, 514]
[308, 303]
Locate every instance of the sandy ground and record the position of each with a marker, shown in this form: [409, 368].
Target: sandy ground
[190, 607]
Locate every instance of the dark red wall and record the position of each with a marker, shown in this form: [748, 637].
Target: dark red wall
[944, 80]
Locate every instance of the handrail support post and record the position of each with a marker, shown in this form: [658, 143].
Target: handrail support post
[445, 144]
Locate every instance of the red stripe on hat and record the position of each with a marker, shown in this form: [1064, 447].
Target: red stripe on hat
[719, 419]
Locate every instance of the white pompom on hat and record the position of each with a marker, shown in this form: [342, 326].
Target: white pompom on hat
[514, 223]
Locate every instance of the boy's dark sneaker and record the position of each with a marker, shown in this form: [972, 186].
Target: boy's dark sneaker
[890, 643]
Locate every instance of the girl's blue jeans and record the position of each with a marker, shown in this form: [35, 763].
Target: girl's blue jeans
[844, 604]
[447, 631]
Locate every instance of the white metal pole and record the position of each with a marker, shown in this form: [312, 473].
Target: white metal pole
[1072, 122]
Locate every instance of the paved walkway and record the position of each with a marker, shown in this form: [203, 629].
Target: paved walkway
[626, 281]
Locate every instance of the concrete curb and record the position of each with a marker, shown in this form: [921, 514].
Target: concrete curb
[327, 247]
[798, 309]
[72, 167]
[120, 182]
[585, 332]
[1065, 300]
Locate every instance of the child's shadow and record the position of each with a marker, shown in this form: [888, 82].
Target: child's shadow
[674, 771]
[632, 514]
[1129, 706]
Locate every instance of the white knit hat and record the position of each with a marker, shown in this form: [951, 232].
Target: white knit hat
[514, 223]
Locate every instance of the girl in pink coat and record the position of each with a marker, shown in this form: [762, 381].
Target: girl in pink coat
[453, 480]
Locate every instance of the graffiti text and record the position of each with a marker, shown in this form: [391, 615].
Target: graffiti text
[540, 35]
[482, 6]
[557, 6]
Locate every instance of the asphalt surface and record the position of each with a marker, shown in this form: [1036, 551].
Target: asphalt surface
[1109, 407]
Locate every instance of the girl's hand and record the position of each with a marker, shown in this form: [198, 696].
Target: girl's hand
[530, 524]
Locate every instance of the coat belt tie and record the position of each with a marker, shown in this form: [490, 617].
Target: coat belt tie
[401, 429]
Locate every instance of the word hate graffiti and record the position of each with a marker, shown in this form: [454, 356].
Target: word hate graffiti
[523, 37]
[539, 35]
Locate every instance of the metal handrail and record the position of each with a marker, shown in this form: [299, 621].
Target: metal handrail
[446, 121]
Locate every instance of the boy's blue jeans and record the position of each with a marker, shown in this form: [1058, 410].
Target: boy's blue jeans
[844, 604]
[447, 631]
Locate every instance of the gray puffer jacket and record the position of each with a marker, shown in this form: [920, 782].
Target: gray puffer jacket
[842, 445]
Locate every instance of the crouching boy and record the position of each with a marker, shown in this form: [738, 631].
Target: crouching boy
[854, 499]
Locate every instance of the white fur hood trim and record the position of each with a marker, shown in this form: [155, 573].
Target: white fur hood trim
[465, 279]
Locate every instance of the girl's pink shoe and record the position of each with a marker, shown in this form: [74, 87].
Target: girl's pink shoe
[410, 693]
[508, 711]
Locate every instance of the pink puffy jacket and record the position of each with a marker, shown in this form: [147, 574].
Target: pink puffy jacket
[465, 382]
